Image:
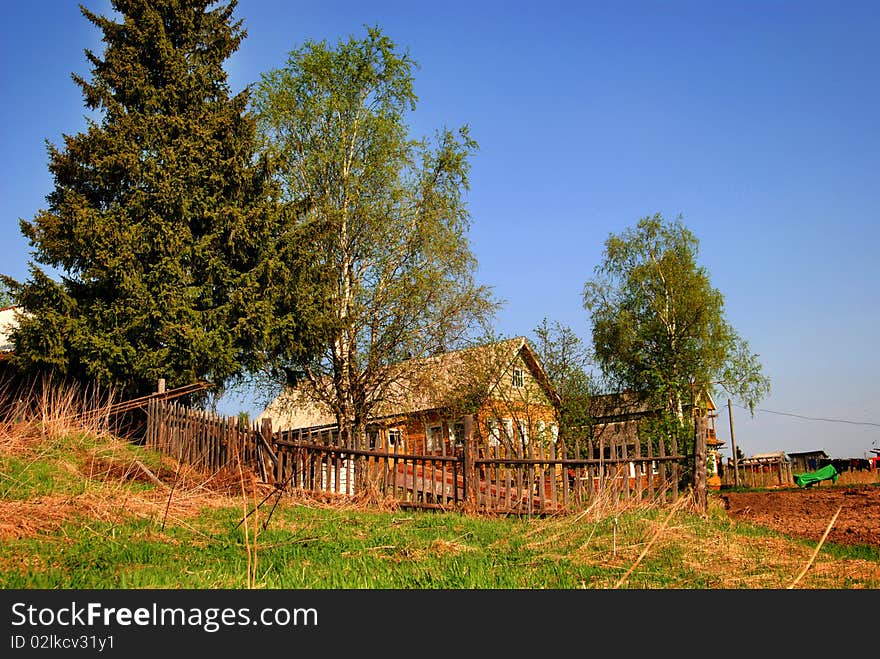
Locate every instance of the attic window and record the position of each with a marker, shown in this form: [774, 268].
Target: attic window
[518, 377]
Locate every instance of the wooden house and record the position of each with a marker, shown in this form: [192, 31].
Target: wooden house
[714, 446]
[501, 385]
[9, 378]
[620, 419]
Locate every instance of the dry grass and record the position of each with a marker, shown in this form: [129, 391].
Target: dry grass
[53, 408]
[859, 477]
[630, 541]
[692, 547]
[55, 418]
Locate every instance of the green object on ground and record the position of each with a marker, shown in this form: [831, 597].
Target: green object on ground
[814, 477]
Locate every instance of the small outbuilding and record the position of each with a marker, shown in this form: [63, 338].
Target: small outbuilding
[772, 469]
[803, 461]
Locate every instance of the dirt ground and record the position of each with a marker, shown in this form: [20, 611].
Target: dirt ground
[807, 512]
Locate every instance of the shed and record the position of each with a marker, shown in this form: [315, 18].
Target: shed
[803, 461]
[771, 469]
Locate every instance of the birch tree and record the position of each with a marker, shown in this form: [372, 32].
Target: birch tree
[658, 324]
[568, 363]
[376, 222]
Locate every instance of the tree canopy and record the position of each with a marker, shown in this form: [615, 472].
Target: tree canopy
[659, 327]
[373, 223]
[155, 221]
[568, 363]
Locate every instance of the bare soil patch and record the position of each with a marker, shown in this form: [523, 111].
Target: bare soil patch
[807, 512]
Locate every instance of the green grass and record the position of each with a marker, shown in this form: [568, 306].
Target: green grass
[301, 548]
[128, 542]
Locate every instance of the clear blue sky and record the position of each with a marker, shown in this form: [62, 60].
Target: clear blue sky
[757, 121]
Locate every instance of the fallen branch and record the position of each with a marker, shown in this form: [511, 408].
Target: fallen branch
[818, 547]
[278, 491]
[149, 474]
[648, 546]
[171, 489]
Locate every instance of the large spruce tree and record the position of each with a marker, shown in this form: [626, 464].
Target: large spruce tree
[155, 220]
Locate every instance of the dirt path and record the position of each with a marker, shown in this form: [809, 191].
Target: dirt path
[807, 512]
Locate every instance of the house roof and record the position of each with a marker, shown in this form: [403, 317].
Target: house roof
[419, 385]
[800, 453]
[624, 404]
[629, 404]
[773, 456]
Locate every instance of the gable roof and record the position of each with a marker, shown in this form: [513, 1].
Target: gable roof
[629, 404]
[817, 452]
[620, 406]
[765, 457]
[422, 384]
[430, 382]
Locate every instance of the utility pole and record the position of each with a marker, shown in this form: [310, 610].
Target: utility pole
[733, 444]
[700, 460]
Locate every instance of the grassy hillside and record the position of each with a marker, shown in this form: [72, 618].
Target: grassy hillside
[82, 509]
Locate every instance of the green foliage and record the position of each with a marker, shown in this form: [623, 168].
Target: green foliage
[658, 323]
[371, 234]
[323, 548]
[155, 220]
[23, 479]
[5, 295]
[568, 363]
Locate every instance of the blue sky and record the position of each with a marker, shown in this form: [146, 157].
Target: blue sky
[756, 121]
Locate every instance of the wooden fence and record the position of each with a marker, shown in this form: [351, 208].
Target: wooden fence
[759, 473]
[205, 440]
[766, 473]
[531, 479]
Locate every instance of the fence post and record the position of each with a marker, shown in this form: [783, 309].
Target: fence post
[700, 462]
[468, 473]
[266, 433]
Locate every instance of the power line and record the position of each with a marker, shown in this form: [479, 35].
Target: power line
[815, 418]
